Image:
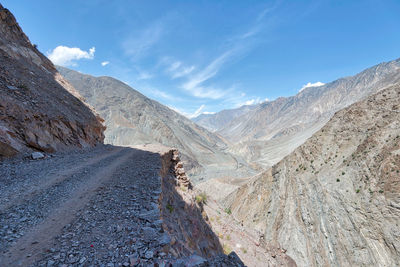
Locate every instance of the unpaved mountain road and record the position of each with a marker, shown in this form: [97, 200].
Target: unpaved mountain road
[94, 207]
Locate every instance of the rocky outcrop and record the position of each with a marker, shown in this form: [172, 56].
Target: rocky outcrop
[335, 200]
[192, 239]
[39, 109]
[181, 215]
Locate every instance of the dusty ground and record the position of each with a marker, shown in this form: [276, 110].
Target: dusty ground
[82, 208]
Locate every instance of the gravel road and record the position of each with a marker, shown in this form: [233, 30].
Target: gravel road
[94, 207]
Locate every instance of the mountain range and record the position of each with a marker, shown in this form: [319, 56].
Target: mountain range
[133, 119]
[267, 132]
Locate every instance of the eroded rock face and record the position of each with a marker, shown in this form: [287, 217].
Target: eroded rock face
[190, 236]
[39, 109]
[335, 200]
[182, 216]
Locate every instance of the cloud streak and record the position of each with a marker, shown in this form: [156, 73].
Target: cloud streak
[238, 45]
[138, 45]
[195, 86]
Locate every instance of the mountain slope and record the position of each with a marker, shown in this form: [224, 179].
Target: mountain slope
[272, 130]
[219, 120]
[133, 119]
[335, 200]
[39, 109]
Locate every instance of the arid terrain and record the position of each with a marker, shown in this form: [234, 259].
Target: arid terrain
[334, 200]
[94, 173]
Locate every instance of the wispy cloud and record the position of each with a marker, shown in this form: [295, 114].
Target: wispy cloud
[182, 72]
[161, 94]
[144, 75]
[195, 84]
[317, 84]
[138, 44]
[105, 63]
[175, 68]
[237, 46]
[67, 56]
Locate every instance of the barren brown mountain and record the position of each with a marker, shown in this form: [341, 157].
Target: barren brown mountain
[39, 109]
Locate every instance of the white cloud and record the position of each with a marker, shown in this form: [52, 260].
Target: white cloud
[317, 84]
[66, 56]
[191, 115]
[253, 101]
[208, 112]
[105, 63]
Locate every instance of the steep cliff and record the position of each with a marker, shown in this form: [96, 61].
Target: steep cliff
[335, 200]
[39, 109]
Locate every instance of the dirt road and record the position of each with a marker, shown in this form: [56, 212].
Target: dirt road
[89, 207]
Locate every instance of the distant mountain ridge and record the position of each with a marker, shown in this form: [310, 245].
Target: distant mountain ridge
[133, 119]
[219, 120]
[271, 130]
[334, 201]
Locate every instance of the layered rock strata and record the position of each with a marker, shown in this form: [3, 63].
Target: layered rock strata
[335, 200]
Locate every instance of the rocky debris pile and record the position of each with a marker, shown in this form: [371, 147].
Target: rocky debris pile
[39, 110]
[181, 178]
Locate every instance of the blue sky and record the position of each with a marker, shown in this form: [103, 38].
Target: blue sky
[205, 56]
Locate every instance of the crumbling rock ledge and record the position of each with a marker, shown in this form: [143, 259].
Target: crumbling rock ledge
[192, 239]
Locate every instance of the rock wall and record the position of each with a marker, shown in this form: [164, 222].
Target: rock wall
[182, 216]
[39, 109]
[193, 243]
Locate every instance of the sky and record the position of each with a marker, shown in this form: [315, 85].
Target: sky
[204, 56]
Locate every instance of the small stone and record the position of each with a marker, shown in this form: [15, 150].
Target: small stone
[37, 155]
[149, 254]
[134, 261]
[165, 239]
[12, 87]
[125, 264]
[50, 263]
